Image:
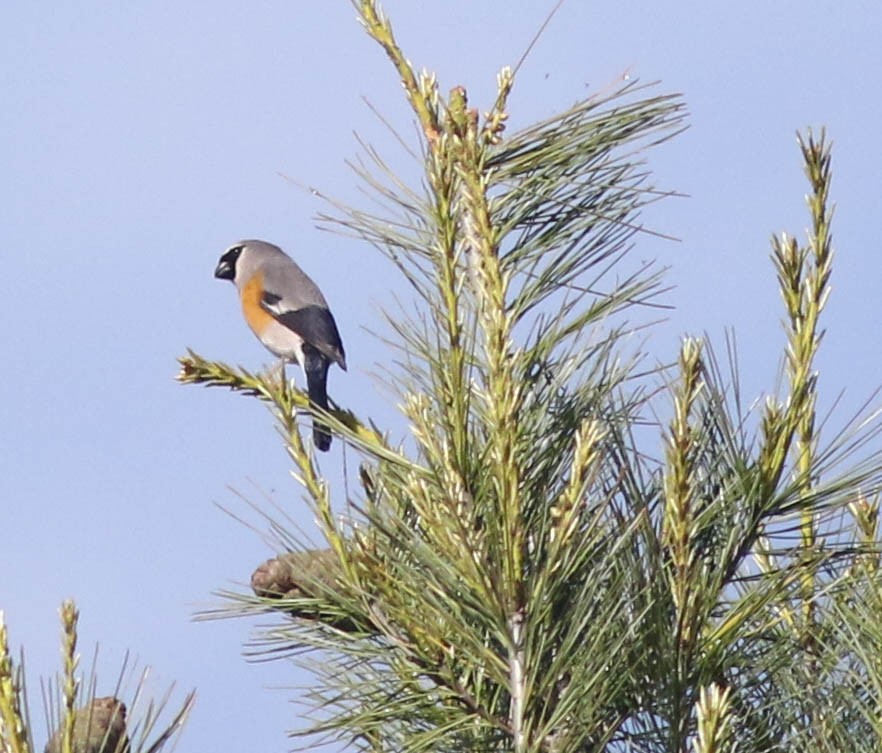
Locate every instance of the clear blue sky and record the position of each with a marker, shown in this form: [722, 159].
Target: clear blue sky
[137, 140]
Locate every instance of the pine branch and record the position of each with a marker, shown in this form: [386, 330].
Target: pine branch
[527, 576]
[82, 722]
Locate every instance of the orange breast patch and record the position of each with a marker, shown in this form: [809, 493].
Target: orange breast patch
[256, 316]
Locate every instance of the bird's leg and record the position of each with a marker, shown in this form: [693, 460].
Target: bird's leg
[282, 375]
[277, 373]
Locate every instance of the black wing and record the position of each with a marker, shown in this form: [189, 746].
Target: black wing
[315, 324]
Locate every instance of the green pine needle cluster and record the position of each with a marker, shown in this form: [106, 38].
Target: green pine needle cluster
[79, 721]
[526, 571]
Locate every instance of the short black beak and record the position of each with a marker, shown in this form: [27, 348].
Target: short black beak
[224, 270]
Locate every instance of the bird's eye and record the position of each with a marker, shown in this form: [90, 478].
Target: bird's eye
[233, 253]
[226, 267]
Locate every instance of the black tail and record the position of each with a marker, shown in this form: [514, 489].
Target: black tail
[316, 367]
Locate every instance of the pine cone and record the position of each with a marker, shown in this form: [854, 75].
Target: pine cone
[99, 727]
[296, 574]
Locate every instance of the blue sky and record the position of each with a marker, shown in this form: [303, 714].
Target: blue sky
[137, 141]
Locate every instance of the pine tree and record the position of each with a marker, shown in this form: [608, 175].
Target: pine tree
[527, 572]
[80, 721]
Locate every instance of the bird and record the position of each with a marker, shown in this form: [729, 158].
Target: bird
[288, 313]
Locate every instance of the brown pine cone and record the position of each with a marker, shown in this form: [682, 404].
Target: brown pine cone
[296, 574]
[99, 727]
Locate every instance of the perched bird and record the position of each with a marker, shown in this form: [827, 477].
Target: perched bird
[289, 315]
